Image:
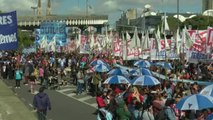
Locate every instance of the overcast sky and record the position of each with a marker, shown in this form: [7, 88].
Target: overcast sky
[113, 8]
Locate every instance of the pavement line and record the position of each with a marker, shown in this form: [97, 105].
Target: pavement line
[64, 90]
[92, 105]
[85, 98]
[1, 117]
[30, 105]
[71, 94]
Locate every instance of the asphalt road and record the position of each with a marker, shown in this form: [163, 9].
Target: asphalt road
[63, 107]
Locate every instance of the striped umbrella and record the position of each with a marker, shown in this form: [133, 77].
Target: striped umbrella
[145, 80]
[141, 71]
[143, 63]
[101, 68]
[98, 61]
[117, 79]
[208, 90]
[118, 71]
[195, 102]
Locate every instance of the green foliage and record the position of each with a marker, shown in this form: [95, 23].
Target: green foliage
[172, 22]
[199, 22]
[24, 39]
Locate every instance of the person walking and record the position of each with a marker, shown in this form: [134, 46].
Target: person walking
[41, 103]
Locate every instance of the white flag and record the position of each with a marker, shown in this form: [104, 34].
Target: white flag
[44, 43]
[145, 42]
[178, 40]
[158, 43]
[92, 41]
[187, 39]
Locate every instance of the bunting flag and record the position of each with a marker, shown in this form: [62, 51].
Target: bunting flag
[188, 42]
[166, 25]
[158, 43]
[43, 43]
[145, 42]
[92, 41]
[178, 40]
[52, 45]
[133, 43]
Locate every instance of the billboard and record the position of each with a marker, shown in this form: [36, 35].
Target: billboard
[8, 31]
[50, 31]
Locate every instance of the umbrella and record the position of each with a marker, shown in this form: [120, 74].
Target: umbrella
[195, 102]
[101, 68]
[118, 71]
[164, 65]
[96, 62]
[145, 80]
[208, 90]
[117, 79]
[141, 71]
[143, 63]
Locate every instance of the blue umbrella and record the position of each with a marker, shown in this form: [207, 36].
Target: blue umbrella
[96, 62]
[164, 65]
[208, 90]
[141, 71]
[117, 79]
[195, 102]
[143, 63]
[101, 68]
[118, 71]
[145, 80]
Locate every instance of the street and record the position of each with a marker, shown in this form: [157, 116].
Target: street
[65, 104]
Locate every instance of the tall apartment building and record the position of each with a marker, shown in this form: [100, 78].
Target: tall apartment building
[207, 4]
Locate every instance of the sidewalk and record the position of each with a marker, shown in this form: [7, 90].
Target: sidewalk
[11, 107]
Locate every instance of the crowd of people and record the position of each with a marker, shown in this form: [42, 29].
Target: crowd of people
[120, 101]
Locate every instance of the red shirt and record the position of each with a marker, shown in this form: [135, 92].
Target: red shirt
[100, 102]
[129, 99]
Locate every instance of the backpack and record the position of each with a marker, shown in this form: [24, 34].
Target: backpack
[104, 114]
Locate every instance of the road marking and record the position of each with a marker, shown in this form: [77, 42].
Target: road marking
[71, 94]
[64, 90]
[1, 117]
[85, 98]
[30, 105]
[94, 105]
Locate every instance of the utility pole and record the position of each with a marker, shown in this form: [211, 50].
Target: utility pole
[178, 11]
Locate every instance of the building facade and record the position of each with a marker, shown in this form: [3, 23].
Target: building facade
[207, 4]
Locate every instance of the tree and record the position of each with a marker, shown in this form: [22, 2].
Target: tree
[199, 22]
[24, 39]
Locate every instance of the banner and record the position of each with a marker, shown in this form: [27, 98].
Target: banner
[8, 31]
[84, 46]
[50, 30]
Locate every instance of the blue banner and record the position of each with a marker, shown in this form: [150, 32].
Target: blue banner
[8, 31]
[51, 31]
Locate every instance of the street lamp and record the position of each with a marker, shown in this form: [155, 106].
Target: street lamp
[34, 10]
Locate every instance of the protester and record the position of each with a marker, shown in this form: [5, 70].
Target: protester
[41, 103]
[18, 76]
